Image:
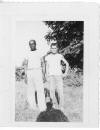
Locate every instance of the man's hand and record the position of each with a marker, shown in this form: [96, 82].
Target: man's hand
[64, 75]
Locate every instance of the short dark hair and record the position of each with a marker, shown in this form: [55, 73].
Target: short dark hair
[54, 44]
[32, 41]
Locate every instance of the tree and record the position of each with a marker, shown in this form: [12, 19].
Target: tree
[69, 37]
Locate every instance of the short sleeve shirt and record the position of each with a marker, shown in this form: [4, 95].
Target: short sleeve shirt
[54, 64]
[34, 59]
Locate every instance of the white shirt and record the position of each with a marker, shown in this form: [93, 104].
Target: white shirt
[34, 59]
[54, 64]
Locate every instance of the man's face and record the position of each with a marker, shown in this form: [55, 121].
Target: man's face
[54, 49]
[32, 45]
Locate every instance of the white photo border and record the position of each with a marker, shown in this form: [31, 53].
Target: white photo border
[62, 12]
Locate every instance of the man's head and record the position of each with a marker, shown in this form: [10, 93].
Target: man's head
[54, 48]
[32, 44]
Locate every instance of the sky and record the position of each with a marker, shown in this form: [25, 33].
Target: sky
[25, 31]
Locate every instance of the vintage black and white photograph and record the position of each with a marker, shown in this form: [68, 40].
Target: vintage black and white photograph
[49, 71]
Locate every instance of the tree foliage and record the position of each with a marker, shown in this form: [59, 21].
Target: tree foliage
[69, 37]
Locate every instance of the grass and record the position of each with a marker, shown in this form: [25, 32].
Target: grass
[73, 99]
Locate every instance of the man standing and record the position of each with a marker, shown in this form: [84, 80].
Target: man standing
[54, 74]
[34, 75]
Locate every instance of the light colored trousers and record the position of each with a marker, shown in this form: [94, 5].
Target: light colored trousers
[35, 83]
[56, 83]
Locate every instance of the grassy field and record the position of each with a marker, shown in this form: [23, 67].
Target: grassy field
[73, 99]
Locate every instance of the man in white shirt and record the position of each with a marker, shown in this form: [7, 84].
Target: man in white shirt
[34, 74]
[54, 74]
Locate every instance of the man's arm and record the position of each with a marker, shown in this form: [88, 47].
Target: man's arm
[43, 65]
[67, 66]
[46, 67]
[25, 65]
